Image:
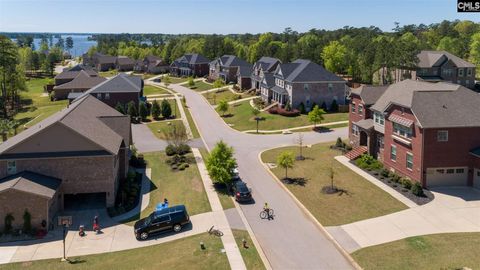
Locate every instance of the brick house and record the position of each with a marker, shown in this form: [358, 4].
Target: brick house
[124, 63]
[79, 153]
[244, 79]
[264, 66]
[154, 65]
[81, 83]
[192, 64]
[226, 68]
[105, 62]
[68, 74]
[428, 132]
[303, 81]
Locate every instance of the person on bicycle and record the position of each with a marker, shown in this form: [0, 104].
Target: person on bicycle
[266, 208]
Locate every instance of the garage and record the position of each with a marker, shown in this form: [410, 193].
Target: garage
[476, 177]
[84, 201]
[456, 176]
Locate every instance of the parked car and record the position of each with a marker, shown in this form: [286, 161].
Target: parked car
[171, 218]
[241, 192]
[157, 80]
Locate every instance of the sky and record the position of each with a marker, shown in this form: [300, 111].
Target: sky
[218, 16]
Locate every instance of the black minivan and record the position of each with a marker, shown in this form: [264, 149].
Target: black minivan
[171, 218]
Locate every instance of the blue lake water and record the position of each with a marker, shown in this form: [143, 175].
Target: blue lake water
[81, 44]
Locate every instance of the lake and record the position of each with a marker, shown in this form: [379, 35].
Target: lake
[81, 44]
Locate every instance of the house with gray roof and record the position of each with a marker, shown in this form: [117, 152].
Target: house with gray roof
[68, 74]
[265, 65]
[226, 68]
[244, 77]
[427, 132]
[191, 64]
[105, 62]
[79, 153]
[81, 83]
[124, 63]
[307, 83]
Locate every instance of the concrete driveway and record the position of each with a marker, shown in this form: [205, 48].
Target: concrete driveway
[144, 139]
[291, 240]
[454, 209]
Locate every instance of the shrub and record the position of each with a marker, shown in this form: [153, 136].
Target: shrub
[174, 166]
[8, 223]
[183, 149]
[288, 107]
[291, 113]
[170, 150]
[182, 167]
[334, 106]
[339, 143]
[324, 106]
[301, 108]
[273, 110]
[27, 221]
[417, 190]
[385, 172]
[396, 178]
[368, 162]
[348, 147]
[406, 183]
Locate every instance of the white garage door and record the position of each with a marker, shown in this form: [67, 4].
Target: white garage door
[476, 178]
[457, 176]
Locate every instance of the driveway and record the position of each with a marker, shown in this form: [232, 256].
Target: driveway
[144, 139]
[454, 209]
[291, 240]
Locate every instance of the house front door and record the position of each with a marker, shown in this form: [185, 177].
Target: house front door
[363, 138]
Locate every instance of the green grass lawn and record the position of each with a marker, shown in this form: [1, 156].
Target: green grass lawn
[361, 199]
[180, 187]
[222, 94]
[250, 255]
[109, 73]
[154, 90]
[179, 254]
[199, 86]
[161, 128]
[193, 127]
[241, 117]
[173, 105]
[177, 80]
[437, 251]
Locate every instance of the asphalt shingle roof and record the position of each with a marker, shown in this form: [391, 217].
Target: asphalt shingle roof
[120, 83]
[245, 71]
[266, 63]
[124, 60]
[31, 183]
[429, 59]
[369, 94]
[81, 81]
[302, 70]
[71, 73]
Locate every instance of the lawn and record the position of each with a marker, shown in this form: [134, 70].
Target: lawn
[173, 105]
[177, 80]
[179, 187]
[109, 73]
[193, 127]
[161, 128]
[221, 94]
[250, 255]
[241, 118]
[179, 254]
[360, 199]
[200, 86]
[154, 90]
[437, 251]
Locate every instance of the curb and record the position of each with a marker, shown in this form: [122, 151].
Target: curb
[305, 210]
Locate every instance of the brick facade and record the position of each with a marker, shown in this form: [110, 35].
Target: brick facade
[316, 93]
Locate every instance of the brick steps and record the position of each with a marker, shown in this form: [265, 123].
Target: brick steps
[356, 152]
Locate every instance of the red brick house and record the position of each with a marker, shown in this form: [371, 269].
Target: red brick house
[428, 132]
[192, 64]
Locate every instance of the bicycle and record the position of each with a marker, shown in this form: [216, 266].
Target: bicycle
[264, 214]
[215, 232]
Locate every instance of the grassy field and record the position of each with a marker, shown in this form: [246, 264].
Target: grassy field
[241, 117]
[179, 254]
[177, 80]
[109, 73]
[193, 127]
[154, 90]
[437, 251]
[36, 105]
[180, 187]
[161, 128]
[222, 94]
[250, 255]
[361, 199]
[199, 86]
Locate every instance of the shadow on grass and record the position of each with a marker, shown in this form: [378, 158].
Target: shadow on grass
[221, 189]
[228, 115]
[297, 181]
[322, 129]
[76, 261]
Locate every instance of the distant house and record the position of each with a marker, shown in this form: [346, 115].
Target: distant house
[68, 74]
[244, 77]
[307, 83]
[106, 63]
[81, 83]
[79, 153]
[428, 132]
[226, 67]
[124, 63]
[266, 65]
[151, 64]
[191, 64]
[91, 61]
[121, 89]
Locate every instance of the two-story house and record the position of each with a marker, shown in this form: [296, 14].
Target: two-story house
[192, 64]
[303, 81]
[428, 132]
[68, 74]
[265, 65]
[81, 83]
[226, 68]
[124, 63]
[77, 154]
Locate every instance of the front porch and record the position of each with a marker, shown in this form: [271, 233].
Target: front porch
[365, 137]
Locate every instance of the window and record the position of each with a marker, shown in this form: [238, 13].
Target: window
[107, 95]
[379, 118]
[435, 72]
[441, 171]
[99, 95]
[380, 142]
[450, 171]
[360, 108]
[460, 170]
[11, 167]
[409, 161]
[305, 86]
[442, 136]
[393, 153]
[447, 72]
[355, 130]
[460, 72]
[402, 130]
[330, 87]
[469, 72]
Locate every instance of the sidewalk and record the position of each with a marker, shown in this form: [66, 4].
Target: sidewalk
[237, 101]
[219, 218]
[294, 128]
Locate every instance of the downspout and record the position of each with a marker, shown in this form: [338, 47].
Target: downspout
[422, 180]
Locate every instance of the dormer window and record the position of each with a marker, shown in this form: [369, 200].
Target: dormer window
[305, 87]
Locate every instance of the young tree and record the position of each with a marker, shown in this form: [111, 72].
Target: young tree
[316, 115]
[223, 106]
[156, 112]
[300, 146]
[331, 174]
[132, 110]
[191, 82]
[166, 80]
[69, 43]
[286, 161]
[143, 111]
[176, 135]
[255, 113]
[218, 83]
[119, 107]
[166, 109]
[221, 163]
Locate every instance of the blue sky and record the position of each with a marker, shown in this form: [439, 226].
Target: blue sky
[218, 16]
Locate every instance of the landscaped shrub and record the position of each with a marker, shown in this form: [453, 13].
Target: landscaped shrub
[182, 167]
[27, 221]
[395, 178]
[174, 166]
[348, 147]
[273, 110]
[334, 106]
[324, 106]
[368, 162]
[406, 183]
[301, 108]
[417, 189]
[339, 143]
[288, 107]
[385, 172]
[8, 223]
[291, 113]
[170, 150]
[183, 149]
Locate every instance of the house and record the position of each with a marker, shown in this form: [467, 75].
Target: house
[68, 74]
[79, 153]
[106, 63]
[124, 63]
[121, 89]
[434, 66]
[91, 61]
[304, 82]
[191, 64]
[226, 67]
[244, 77]
[155, 65]
[81, 83]
[266, 65]
[428, 132]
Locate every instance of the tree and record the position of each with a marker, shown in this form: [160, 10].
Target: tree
[334, 56]
[9, 218]
[191, 82]
[255, 113]
[156, 112]
[166, 80]
[223, 106]
[334, 106]
[132, 110]
[218, 83]
[119, 107]
[451, 45]
[166, 109]
[316, 115]
[8, 63]
[69, 43]
[300, 146]
[331, 174]
[60, 43]
[27, 221]
[176, 135]
[221, 163]
[143, 111]
[475, 51]
[286, 161]
[6, 125]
